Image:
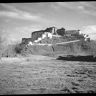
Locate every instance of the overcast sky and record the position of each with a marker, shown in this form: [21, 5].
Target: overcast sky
[18, 20]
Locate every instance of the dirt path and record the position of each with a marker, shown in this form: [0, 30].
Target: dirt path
[42, 44]
[43, 75]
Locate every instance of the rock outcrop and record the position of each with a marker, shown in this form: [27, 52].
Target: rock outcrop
[89, 58]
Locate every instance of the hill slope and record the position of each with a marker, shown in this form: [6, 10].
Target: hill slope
[74, 48]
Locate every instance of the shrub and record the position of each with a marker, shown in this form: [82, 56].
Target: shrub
[18, 48]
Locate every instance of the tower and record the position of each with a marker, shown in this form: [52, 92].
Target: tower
[54, 29]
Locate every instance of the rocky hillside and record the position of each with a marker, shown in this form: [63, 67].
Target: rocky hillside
[75, 48]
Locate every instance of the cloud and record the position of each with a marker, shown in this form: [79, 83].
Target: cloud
[90, 30]
[10, 14]
[19, 14]
[80, 7]
[25, 16]
[12, 8]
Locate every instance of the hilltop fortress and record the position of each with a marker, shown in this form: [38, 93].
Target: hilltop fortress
[53, 41]
[53, 35]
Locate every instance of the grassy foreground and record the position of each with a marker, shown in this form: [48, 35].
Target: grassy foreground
[45, 75]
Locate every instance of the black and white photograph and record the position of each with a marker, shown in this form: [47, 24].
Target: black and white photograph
[48, 47]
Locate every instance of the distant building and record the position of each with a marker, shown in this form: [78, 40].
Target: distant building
[50, 32]
[37, 34]
[71, 32]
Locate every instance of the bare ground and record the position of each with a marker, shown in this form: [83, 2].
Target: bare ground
[45, 75]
